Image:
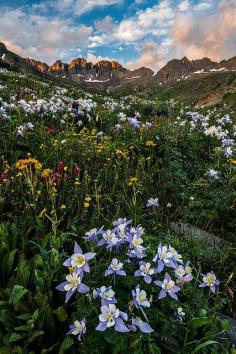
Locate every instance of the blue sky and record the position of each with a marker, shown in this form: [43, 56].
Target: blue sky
[133, 32]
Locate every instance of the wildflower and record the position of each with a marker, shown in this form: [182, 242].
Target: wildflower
[72, 283]
[46, 172]
[180, 314]
[63, 206]
[78, 328]
[191, 198]
[110, 239]
[228, 152]
[133, 181]
[138, 323]
[212, 174]
[118, 126]
[210, 280]
[100, 134]
[163, 258]
[79, 260]
[136, 248]
[150, 143]
[42, 213]
[145, 271]
[115, 268]
[169, 205]
[168, 287]
[184, 273]
[153, 202]
[106, 295]
[112, 317]
[92, 234]
[140, 299]
[148, 125]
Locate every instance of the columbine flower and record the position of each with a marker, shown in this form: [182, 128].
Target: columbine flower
[212, 174]
[109, 238]
[137, 323]
[106, 295]
[112, 317]
[180, 314]
[184, 273]
[153, 202]
[145, 271]
[140, 299]
[78, 328]
[210, 280]
[168, 287]
[79, 260]
[72, 283]
[163, 258]
[136, 250]
[115, 268]
[92, 234]
[121, 221]
[177, 258]
[228, 152]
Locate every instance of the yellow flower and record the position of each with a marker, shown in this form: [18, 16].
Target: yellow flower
[133, 181]
[150, 143]
[46, 172]
[19, 174]
[24, 163]
[86, 205]
[63, 206]
[232, 161]
[42, 213]
[87, 199]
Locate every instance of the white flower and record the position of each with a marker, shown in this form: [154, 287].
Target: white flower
[73, 281]
[115, 264]
[153, 202]
[108, 314]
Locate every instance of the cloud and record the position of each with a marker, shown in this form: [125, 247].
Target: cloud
[206, 35]
[74, 7]
[151, 56]
[151, 21]
[105, 25]
[39, 37]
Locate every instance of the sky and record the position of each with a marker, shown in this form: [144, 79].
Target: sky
[134, 32]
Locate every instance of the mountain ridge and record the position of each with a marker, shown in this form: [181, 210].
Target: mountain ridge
[109, 75]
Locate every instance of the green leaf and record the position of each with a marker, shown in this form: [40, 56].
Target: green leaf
[14, 337]
[35, 335]
[200, 322]
[68, 342]
[203, 345]
[17, 293]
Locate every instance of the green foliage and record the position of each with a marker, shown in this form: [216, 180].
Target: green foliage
[43, 211]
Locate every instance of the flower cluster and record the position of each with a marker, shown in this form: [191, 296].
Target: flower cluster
[126, 240]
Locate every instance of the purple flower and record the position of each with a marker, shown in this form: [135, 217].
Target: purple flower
[121, 221]
[105, 294]
[118, 126]
[212, 174]
[148, 125]
[78, 328]
[79, 260]
[145, 271]
[153, 202]
[92, 234]
[168, 287]
[137, 323]
[72, 283]
[115, 268]
[140, 299]
[135, 246]
[210, 280]
[112, 317]
[110, 239]
[180, 314]
[100, 134]
[164, 258]
[184, 273]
